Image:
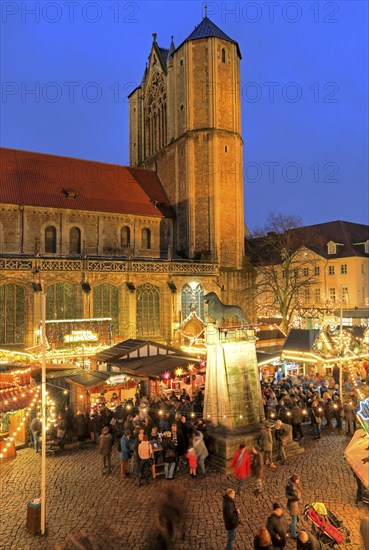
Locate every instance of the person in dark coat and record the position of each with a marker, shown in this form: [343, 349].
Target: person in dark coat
[170, 509]
[230, 516]
[169, 455]
[125, 453]
[257, 469]
[105, 449]
[307, 541]
[81, 428]
[296, 420]
[96, 425]
[293, 494]
[277, 527]
[262, 540]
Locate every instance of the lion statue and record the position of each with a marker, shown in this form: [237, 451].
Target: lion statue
[219, 311]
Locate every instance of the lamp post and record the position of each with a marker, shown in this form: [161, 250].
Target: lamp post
[341, 344]
[44, 413]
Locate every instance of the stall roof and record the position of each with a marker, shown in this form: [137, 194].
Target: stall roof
[152, 365]
[353, 313]
[136, 347]
[11, 399]
[88, 378]
[264, 357]
[301, 340]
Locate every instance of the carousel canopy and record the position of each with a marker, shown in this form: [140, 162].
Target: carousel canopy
[357, 455]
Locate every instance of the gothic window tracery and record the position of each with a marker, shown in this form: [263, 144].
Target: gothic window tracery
[12, 314]
[148, 310]
[192, 300]
[156, 120]
[106, 303]
[63, 301]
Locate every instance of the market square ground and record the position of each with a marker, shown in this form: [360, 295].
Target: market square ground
[118, 514]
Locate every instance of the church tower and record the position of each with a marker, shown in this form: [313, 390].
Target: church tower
[185, 123]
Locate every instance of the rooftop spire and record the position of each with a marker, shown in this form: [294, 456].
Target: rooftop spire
[205, 11]
[154, 35]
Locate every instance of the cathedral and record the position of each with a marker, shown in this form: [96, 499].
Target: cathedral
[140, 245]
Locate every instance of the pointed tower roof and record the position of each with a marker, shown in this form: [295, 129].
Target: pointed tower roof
[207, 29]
[171, 50]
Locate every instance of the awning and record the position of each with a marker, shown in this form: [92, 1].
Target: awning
[266, 358]
[357, 455]
[89, 378]
[153, 366]
[353, 313]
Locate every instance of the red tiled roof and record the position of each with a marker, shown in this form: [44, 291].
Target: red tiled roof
[50, 181]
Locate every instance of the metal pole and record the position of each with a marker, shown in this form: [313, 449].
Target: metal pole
[341, 345]
[44, 415]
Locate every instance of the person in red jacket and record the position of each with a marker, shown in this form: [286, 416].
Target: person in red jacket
[192, 461]
[241, 465]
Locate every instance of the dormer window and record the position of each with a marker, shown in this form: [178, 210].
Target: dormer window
[367, 247]
[332, 248]
[70, 194]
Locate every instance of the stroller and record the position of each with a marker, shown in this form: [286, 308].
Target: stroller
[327, 528]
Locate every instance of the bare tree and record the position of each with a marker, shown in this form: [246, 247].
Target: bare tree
[281, 257]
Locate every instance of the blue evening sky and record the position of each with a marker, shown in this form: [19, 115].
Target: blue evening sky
[303, 80]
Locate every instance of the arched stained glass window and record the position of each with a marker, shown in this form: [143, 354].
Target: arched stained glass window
[146, 238]
[63, 301]
[12, 314]
[50, 239]
[106, 303]
[75, 240]
[192, 300]
[148, 310]
[125, 236]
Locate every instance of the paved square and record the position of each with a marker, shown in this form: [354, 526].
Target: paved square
[118, 514]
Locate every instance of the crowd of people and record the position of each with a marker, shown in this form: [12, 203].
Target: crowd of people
[169, 433]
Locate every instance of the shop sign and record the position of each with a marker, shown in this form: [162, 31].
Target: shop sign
[80, 336]
[118, 379]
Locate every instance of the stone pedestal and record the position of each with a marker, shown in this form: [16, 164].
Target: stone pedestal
[233, 400]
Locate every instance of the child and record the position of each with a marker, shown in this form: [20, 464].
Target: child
[192, 461]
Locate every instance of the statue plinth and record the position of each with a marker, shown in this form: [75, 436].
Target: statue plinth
[233, 401]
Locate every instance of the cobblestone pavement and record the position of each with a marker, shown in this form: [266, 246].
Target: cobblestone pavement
[119, 514]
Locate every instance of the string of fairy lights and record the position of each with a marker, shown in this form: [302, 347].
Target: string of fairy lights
[35, 403]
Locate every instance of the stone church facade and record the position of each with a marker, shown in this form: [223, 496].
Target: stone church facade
[140, 244]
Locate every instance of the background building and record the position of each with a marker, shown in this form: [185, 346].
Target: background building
[141, 244]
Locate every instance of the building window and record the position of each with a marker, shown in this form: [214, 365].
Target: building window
[345, 296]
[146, 238]
[306, 272]
[317, 271]
[331, 270]
[295, 273]
[284, 273]
[106, 303]
[12, 314]
[332, 248]
[63, 301]
[125, 236]
[75, 240]
[307, 294]
[343, 269]
[332, 295]
[192, 300]
[223, 55]
[148, 310]
[50, 239]
[317, 295]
